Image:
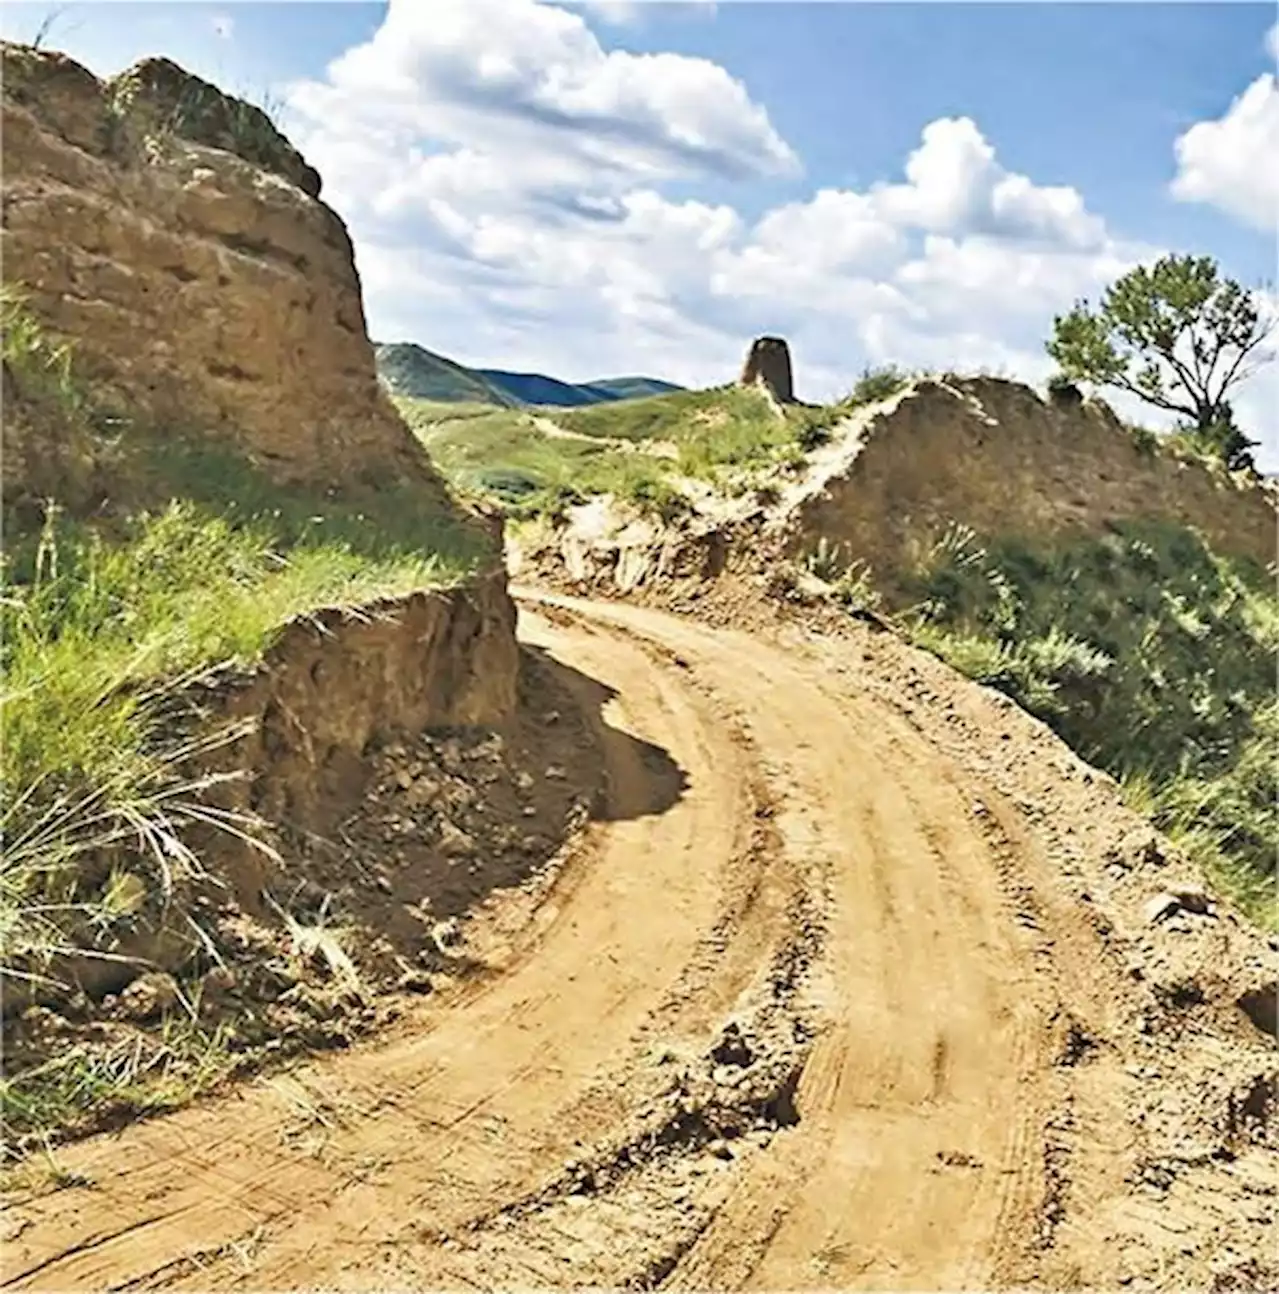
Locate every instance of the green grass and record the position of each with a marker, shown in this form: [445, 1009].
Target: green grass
[848, 579]
[1149, 654]
[82, 1087]
[104, 622]
[38, 365]
[99, 630]
[676, 416]
[719, 435]
[501, 454]
[424, 414]
[877, 384]
[724, 427]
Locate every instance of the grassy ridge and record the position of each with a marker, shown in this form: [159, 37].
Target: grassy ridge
[634, 449]
[727, 427]
[503, 456]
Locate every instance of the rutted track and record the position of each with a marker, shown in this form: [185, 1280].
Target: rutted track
[876, 1119]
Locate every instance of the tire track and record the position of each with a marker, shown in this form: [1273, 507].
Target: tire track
[872, 1120]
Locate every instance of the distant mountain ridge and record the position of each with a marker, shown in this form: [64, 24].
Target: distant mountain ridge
[411, 370]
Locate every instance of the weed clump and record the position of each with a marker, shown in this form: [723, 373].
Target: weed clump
[1064, 393]
[848, 579]
[877, 384]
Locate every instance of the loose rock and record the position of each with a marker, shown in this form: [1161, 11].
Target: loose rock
[149, 996]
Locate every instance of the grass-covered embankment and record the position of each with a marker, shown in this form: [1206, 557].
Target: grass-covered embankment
[1152, 656]
[192, 560]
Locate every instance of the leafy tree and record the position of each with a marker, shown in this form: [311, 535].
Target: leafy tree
[1176, 334]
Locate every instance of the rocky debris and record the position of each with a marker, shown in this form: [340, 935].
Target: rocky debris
[415, 980]
[732, 1049]
[335, 686]
[1243, 1276]
[454, 841]
[768, 364]
[958, 1159]
[454, 808]
[447, 936]
[148, 997]
[1259, 1004]
[716, 1106]
[216, 985]
[1169, 903]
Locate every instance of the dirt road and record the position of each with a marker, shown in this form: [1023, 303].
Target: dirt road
[806, 1021]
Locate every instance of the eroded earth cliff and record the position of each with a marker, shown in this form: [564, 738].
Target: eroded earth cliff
[180, 240]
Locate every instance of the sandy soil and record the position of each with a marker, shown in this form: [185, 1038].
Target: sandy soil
[847, 986]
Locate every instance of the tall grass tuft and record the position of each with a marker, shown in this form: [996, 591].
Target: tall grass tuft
[877, 384]
[40, 365]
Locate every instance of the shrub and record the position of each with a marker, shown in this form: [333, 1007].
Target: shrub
[1147, 441]
[878, 384]
[652, 492]
[848, 578]
[1063, 392]
[812, 434]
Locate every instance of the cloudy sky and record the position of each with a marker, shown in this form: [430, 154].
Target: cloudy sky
[617, 188]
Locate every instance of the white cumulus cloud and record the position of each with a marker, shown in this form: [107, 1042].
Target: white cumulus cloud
[531, 84]
[507, 183]
[619, 12]
[1233, 161]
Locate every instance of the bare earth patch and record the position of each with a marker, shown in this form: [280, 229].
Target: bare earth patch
[849, 984]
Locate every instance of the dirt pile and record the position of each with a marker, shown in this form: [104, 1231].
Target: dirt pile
[768, 364]
[992, 455]
[177, 239]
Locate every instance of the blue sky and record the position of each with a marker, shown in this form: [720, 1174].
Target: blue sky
[641, 187]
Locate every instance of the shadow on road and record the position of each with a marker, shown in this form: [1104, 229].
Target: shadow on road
[641, 778]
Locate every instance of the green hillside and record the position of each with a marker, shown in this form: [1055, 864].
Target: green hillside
[631, 388]
[412, 371]
[536, 461]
